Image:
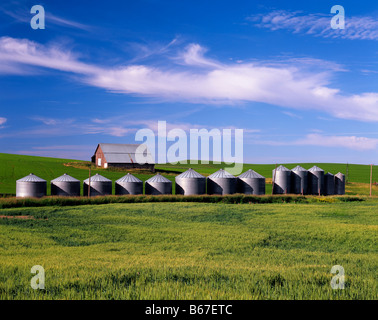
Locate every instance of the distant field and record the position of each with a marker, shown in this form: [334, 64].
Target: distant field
[190, 251]
[13, 167]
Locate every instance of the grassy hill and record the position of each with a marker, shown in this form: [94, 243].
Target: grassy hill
[13, 167]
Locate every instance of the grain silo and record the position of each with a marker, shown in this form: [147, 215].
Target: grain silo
[128, 184]
[316, 180]
[250, 182]
[99, 186]
[339, 183]
[65, 185]
[298, 180]
[281, 180]
[31, 186]
[158, 185]
[190, 182]
[329, 184]
[221, 182]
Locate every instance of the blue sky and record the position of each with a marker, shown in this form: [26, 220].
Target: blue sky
[98, 72]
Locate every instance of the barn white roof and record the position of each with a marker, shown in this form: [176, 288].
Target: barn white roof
[124, 153]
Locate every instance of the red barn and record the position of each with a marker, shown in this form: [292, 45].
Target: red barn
[122, 156]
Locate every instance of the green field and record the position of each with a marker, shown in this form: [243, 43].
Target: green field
[13, 167]
[281, 249]
[191, 251]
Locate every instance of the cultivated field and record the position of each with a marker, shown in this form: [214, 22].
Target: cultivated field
[190, 251]
[146, 247]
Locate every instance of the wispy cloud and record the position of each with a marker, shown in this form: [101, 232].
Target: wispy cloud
[145, 50]
[198, 79]
[120, 126]
[292, 115]
[321, 140]
[50, 18]
[356, 28]
[351, 142]
[2, 120]
[52, 121]
[23, 15]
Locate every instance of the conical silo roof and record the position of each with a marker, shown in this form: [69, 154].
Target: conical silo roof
[221, 174]
[66, 178]
[315, 168]
[339, 175]
[129, 178]
[31, 178]
[298, 168]
[158, 178]
[190, 173]
[281, 168]
[251, 174]
[97, 178]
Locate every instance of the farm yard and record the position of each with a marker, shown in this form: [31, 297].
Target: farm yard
[233, 249]
[14, 167]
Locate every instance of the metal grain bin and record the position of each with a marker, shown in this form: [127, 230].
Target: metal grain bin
[250, 182]
[99, 186]
[190, 182]
[128, 184]
[298, 180]
[339, 183]
[316, 180]
[221, 182]
[281, 180]
[158, 185]
[329, 184]
[65, 185]
[31, 186]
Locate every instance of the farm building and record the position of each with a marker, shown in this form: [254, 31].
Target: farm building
[122, 156]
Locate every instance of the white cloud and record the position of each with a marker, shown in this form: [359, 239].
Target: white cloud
[202, 80]
[315, 139]
[292, 115]
[194, 55]
[361, 28]
[24, 16]
[350, 142]
[2, 120]
[53, 122]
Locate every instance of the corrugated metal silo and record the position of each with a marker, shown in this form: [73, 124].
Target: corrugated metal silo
[221, 182]
[316, 180]
[281, 177]
[329, 184]
[65, 185]
[190, 182]
[31, 186]
[250, 182]
[99, 186]
[129, 184]
[298, 180]
[158, 185]
[339, 183]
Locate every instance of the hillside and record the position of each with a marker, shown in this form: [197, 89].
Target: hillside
[13, 167]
